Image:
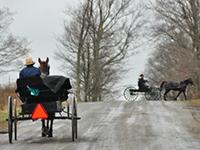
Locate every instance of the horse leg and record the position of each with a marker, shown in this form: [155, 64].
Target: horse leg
[51, 129]
[47, 124]
[184, 95]
[50, 133]
[43, 128]
[178, 94]
[167, 91]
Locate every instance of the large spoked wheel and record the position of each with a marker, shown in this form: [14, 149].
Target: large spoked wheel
[15, 119]
[130, 93]
[10, 119]
[74, 120]
[153, 94]
[148, 95]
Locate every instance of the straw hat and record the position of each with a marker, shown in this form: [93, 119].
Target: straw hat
[29, 61]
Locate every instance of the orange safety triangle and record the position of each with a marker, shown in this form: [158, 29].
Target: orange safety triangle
[39, 112]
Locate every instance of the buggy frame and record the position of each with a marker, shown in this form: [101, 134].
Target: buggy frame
[131, 93]
[52, 107]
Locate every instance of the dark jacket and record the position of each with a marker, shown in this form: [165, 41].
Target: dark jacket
[29, 71]
[142, 83]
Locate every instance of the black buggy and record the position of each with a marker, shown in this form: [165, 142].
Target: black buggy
[150, 93]
[50, 93]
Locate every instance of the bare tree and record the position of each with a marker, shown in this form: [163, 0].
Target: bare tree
[99, 37]
[12, 48]
[73, 41]
[177, 35]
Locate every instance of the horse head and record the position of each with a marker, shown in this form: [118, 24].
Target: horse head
[44, 66]
[189, 81]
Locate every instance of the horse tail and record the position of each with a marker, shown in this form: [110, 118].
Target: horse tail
[162, 84]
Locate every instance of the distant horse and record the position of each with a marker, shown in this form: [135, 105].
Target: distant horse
[44, 69]
[176, 86]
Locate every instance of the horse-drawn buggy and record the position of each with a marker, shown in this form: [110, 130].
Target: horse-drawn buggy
[42, 99]
[150, 93]
[154, 93]
[132, 93]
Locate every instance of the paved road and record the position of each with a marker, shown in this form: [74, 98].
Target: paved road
[118, 125]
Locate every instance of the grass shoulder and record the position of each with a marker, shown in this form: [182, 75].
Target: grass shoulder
[194, 102]
[3, 116]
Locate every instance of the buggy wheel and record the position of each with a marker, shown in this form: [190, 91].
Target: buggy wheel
[74, 120]
[148, 95]
[153, 94]
[158, 94]
[15, 119]
[10, 119]
[130, 93]
[75, 123]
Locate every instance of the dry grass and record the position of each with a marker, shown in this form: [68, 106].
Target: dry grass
[194, 102]
[3, 123]
[3, 116]
[4, 93]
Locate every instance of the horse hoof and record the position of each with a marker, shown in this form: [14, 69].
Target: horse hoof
[50, 135]
[44, 132]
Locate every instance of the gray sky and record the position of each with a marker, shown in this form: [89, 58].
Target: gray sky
[41, 21]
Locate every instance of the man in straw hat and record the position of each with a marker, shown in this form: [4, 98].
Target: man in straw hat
[29, 70]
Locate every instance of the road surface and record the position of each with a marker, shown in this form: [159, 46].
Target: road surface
[118, 125]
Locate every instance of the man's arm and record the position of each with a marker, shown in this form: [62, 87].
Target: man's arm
[21, 74]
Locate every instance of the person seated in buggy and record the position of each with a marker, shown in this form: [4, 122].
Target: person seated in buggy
[143, 84]
[29, 70]
[33, 87]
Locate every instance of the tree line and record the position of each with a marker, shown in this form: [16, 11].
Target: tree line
[12, 48]
[96, 41]
[176, 32]
[100, 34]
[97, 38]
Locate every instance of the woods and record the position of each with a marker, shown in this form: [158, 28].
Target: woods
[176, 34]
[99, 35]
[12, 51]
[96, 41]
[12, 48]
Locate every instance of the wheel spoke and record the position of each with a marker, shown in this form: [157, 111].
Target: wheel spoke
[10, 119]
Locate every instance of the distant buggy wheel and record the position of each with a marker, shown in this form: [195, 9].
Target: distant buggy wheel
[130, 93]
[158, 94]
[10, 119]
[153, 94]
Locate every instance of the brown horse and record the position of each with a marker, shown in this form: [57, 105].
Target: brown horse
[46, 128]
[44, 66]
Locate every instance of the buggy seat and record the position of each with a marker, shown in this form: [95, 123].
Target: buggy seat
[50, 88]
